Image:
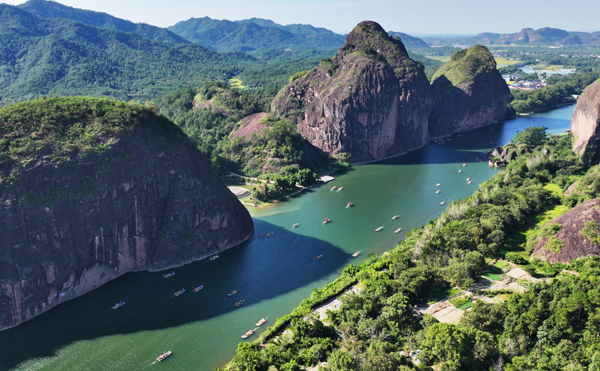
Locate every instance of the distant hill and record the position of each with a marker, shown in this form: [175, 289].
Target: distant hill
[527, 36]
[51, 9]
[41, 56]
[254, 34]
[410, 42]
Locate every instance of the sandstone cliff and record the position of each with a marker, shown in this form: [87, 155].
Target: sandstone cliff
[91, 189]
[585, 123]
[469, 93]
[370, 100]
[567, 241]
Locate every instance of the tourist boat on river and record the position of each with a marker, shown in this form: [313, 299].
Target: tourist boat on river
[442, 203]
[247, 334]
[340, 189]
[270, 234]
[240, 303]
[356, 254]
[233, 292]
[261, 322]
[398, 230]
[179, 292]
[350, 204]
[468, 179]
[469, 182]
[196, 289]
[395, 217]
[439, 184]
[460, 171]
[163, 356]
[318, 257]
[378, 229]
[213, 257]
[327, 220]
[261, 235]
[464, 165]
[295, 225]
[333, 188]
[167, 275]
[437, 192]
[118, 305]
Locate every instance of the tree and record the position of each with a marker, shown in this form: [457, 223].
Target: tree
[341, 361]
[531, 137]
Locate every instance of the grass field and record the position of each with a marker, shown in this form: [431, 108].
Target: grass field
[442, 294]
[444, 59]
[505, 62]
[236, 83]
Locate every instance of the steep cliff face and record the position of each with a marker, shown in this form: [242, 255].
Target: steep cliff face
[469, 93]
[577, 235]
[370, 100]
[91, 189]
[585, 123]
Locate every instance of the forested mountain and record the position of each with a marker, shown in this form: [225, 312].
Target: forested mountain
[247, 36]
[62, 57]
[410, 42]
[293, 28]
[51, 9]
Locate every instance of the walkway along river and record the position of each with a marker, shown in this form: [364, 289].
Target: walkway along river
[273, 274]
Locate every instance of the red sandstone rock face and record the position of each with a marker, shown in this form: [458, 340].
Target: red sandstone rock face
[586, 121]
[146, 204]
[478, 101]
[575, 246]
[371, 100]
[251, 124]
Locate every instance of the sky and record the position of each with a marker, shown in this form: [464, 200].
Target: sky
[415, 17]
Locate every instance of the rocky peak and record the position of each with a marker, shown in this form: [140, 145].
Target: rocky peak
[469, 93]
[370, 100]
[585, 123]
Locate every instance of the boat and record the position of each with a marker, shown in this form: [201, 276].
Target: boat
[295, 225]
[437, 192]
[318, 257]
[179, 292]
[439, 184]
[333, 188]
[261, 322]
[469, 182]
[398, 230]
[350, 204]
[395, 217]
[460, 171]
[240, 303]
[233, 292]
[261, 235]
[340, 189]
[270, 234]
[356, 254]
[248, 334]
[378, 229]
[196, 289]
[163, 356]
[442, 203]
[167, 275]
[464, 165]
[327, 220]
[468, 179]
[118, 305]
[213, 257]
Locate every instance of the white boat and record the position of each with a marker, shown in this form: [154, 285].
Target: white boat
[163, 356]
[464, 165]
[395, 217]
[469, 182]
[468, 179]
[295, 225]
[442, 203]
[460, 171]
[247, 334]
[439, 184]
[340, 189]
[437, 192]
[356, 254]
[378, 229]
[333, 188]
[398, 230]
[261, 322]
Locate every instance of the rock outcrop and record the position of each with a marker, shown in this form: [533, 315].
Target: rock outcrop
[570, 241]
[585, 123]
[370, 100]
[469, 93]
[91, 189]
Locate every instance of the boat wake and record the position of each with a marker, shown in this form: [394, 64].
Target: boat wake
[153, 363]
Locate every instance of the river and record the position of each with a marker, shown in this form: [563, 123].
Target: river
[273, 274]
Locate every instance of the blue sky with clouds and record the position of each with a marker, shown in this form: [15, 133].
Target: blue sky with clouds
[417, 17]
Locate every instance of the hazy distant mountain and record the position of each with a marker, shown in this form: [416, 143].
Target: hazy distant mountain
[51, 9]
[41, 56]
[527, 36]
[410, 42]
[253, 34]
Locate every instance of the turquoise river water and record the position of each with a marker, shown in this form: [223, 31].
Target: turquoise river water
[273, 274]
